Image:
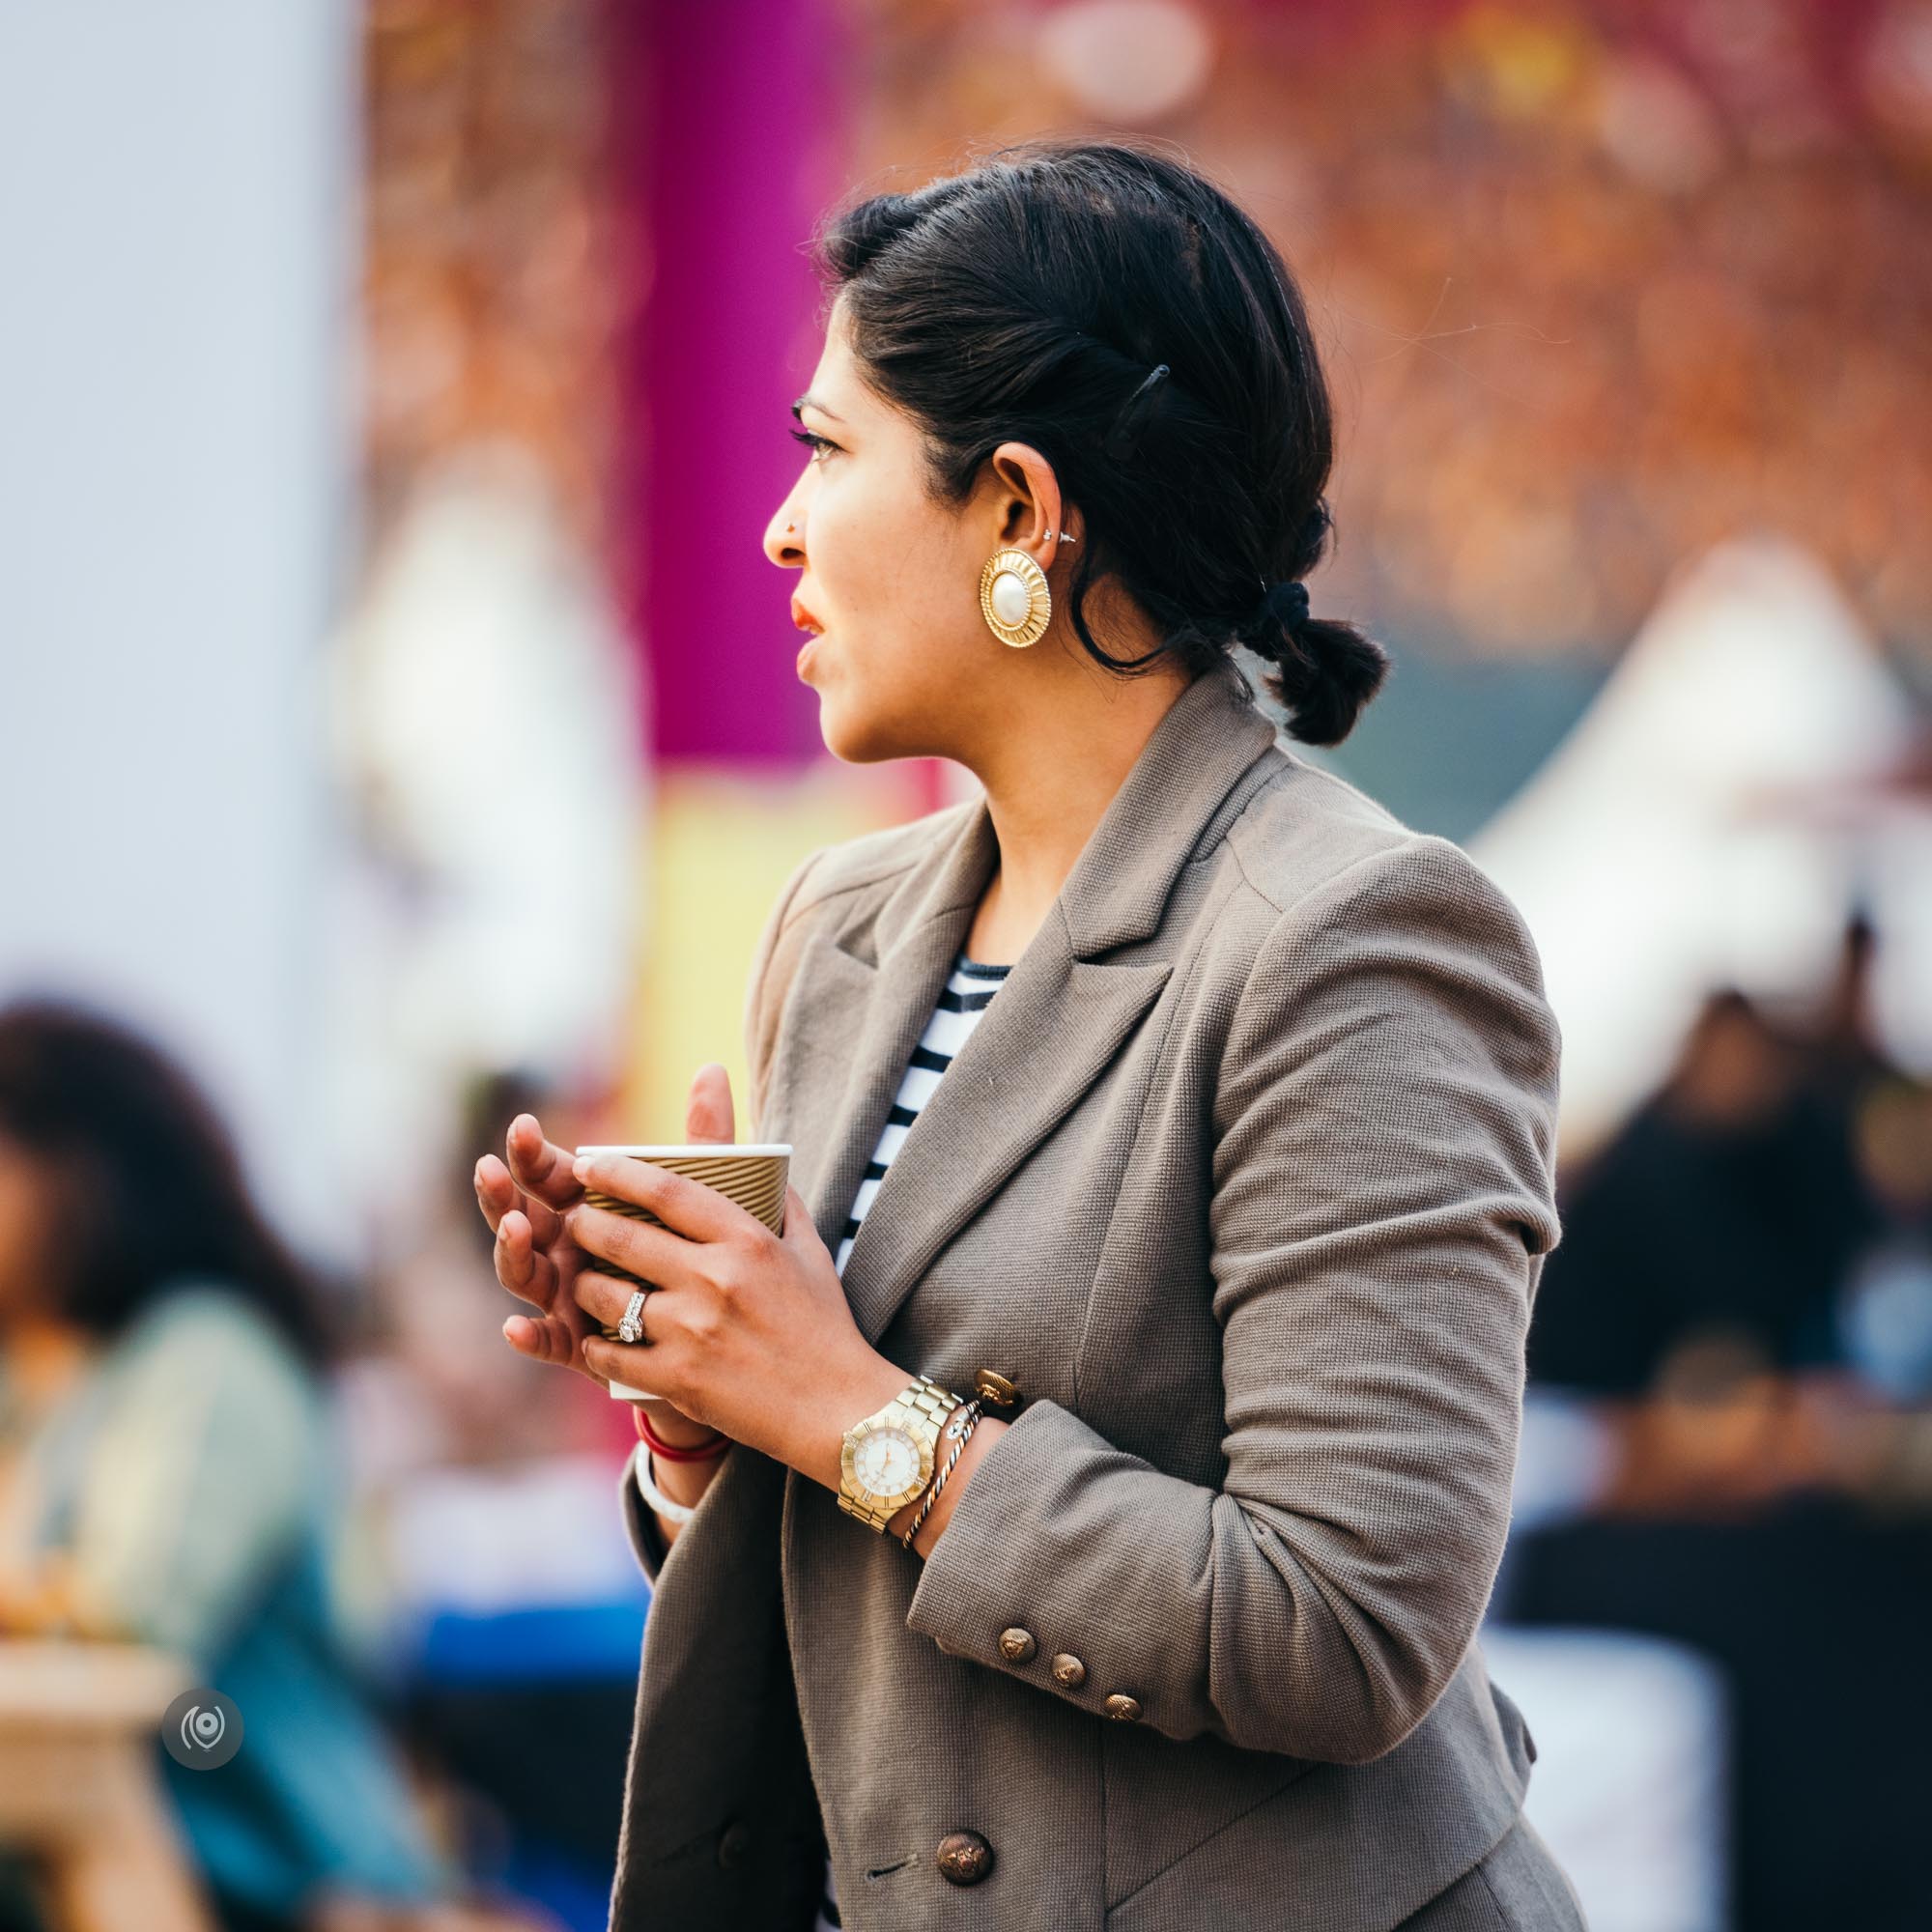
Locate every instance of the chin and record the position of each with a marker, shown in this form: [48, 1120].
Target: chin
[855, 731]
[850, 742]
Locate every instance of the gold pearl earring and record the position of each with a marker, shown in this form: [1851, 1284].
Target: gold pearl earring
[1013, 597]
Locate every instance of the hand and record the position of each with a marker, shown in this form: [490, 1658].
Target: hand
[535, 1256]
[536, 1259]
[747, 1331]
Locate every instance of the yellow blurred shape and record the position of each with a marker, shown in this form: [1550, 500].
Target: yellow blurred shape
[722, 845]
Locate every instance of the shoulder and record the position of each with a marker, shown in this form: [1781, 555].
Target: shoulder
[1385, 997]
[872, 857]
[1314, 851]
[830, 876]
[1354, 940]
[825, 880]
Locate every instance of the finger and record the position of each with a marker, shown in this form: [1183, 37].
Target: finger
[554, 1334]
[617, 1361]
[547, 1227]
[496, 1191]
[544, 1338]
[708, 1111]
[636, 1247]
[530, 1335]
[538, 1166]
[602, 1298]
[497, 1194]
[524, 1269]
[686, 1206]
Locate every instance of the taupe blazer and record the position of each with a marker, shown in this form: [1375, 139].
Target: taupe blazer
[1245, 1178]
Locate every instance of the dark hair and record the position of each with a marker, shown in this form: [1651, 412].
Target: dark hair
[1035, 297]
[146, 1178]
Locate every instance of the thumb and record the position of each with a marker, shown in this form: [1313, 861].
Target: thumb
[708, 1111]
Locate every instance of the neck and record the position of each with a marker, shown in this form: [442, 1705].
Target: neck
[1048, 784]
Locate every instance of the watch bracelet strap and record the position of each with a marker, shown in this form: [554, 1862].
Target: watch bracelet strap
[935, 1402]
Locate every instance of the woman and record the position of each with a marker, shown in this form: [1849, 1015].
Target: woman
[1216, 1225]
[167, 1476]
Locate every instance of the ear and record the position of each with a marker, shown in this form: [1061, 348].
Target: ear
[1027, 501]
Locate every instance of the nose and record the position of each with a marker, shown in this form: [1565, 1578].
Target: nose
[784, 534]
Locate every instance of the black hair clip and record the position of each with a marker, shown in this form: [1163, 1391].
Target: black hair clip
[1126, 429]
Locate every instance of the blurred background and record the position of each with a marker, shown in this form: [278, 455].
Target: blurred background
[400, 731]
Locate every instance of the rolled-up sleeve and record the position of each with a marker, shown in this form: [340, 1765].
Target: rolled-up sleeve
[1383, 1188]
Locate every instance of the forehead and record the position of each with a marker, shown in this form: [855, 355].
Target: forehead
[835, 378]
[840, 387]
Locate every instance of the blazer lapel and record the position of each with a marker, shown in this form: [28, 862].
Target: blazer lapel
[1059, 1017]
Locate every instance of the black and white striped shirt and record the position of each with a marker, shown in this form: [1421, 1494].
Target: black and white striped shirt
[967, 994]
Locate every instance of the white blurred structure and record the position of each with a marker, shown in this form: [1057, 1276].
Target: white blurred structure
[487, 734]
[175, 194]
[1631, 1784]
[1658, 852]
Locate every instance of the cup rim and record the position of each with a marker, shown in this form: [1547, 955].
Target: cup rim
[713, 1149]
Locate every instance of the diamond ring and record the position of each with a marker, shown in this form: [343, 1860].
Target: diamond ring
[632, 1327]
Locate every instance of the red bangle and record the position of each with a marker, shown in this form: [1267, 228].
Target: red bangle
[659, 1447]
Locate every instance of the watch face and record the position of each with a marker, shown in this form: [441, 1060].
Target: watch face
[886, 1462]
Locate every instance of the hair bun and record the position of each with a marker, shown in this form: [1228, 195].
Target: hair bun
[1284, 603]
[1272, 629]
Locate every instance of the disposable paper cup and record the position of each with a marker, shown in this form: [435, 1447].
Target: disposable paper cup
[754, 1176]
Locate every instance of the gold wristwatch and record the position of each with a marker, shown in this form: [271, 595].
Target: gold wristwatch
[888, 1457]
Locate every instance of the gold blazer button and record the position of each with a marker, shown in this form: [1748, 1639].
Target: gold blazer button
[1017, 1645]
[995, 1388]
[1070, 1670]
[1127, 1709]
[964, 1858]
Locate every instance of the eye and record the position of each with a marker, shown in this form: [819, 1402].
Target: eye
[817, 445]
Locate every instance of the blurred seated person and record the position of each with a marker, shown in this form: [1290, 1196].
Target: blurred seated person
[1740, 1310]
[1697, 1290]
[166, 1471]
[1883, 1313]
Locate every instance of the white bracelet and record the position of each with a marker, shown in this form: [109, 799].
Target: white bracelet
[678, 1512]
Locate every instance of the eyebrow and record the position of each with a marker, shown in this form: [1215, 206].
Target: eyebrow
[811, 402]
